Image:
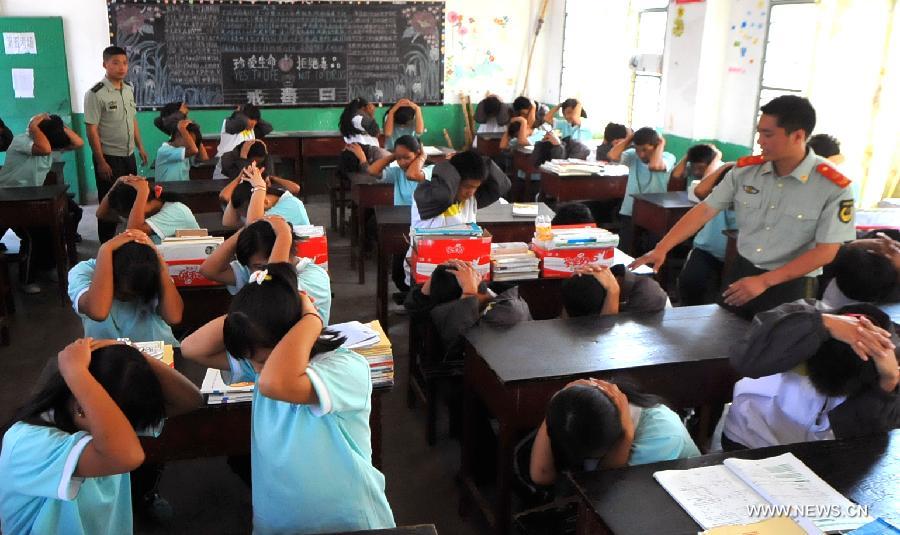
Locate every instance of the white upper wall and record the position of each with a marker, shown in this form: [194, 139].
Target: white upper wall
[488, 47]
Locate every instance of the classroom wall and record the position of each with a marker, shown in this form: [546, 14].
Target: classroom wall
[485, 49]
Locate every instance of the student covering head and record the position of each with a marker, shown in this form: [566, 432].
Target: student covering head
[152, 210]
[357, 123]
[607, 291]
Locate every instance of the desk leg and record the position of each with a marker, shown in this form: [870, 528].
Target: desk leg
[503, 508]
[375, 426]
[59, 252]
[381, 287]
[467, 447]
[361, 215]
[354, 214]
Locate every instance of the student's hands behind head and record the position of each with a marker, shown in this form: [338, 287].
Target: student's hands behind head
[466, 275]
[619, 399]
[279, 224]
[139, 183]
[75, 357]
[128, 236]
[357, 151]
[603, 275]
[866, 339]
[254, 175]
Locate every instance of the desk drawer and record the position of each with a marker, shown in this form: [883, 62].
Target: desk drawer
[321, 146]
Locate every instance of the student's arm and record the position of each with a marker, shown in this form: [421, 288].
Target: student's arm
[236, 123]
[139, 144]
[225, 194]
[389, 119]
[190, 146]
[103, 168]
[217, 266]
[617, 456]
[747, 288]
[686, 227]
[706, 185]
[414, 172]
[202, 155]
[493, 187]
[288, 185]
[114, 447]
[180, 395]
[550, 116]
[679, 170]
[282, 250]
[615, 153]
[576, 115]
[656, 160]
[532, 113]
[263, 128]
[206, 345]
[524, 132]
[104, 211]
[40, 144]
[96, 302]
[75, 141]
[231, 217]
[256, 208]
[171, 306]
[283, 376]
[420, 121]
[504, 140]
[541, 468]
[360, 156]
[378, 165]
[137, 217]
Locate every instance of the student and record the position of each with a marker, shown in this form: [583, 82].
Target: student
[403, 119]
[827, 147]
[253, 198]
[244, 124]
[65, 460]
[251, 153]
[126, 292]
[700, 280]
[492, 115]
[170, 115]
[793, 211]
[405, 169]
[593, 424]
[456, 299]
[596, 289]
[649, 166]
[310, 442]
[110, 116]
[357, 123]
[863, 274]
[174, 157]
[29, 158]
[519, 134]
[572, 213]
[267, 241]
[812, 376]
[358, 158]
[573, 123]
[697, 160]
[152, 211]
[612, 134]
[527, 109]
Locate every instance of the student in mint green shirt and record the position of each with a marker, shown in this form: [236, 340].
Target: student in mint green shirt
[573, 123]
[648, 165]
[29, 156]
[592, 424]
[700, 280]
[268, 241]
[174, 157]
[126, 292]
[310, 442]
[65, 462]
[403, 119]
[253, 197]
[152, 211]
[405, 168]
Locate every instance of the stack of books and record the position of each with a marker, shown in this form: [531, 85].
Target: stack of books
[370, 341]
[465, 230]
[158, 350]
[513, 261]
[575, 167]
[309, 231]
[218, 392]
[578, 238]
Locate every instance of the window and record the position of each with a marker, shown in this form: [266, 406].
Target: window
[647, 79]
[788, 57]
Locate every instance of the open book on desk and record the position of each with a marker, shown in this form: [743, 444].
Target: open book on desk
[741, 491]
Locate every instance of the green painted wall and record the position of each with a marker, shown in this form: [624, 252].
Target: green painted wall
[210, 121]
[679, 146]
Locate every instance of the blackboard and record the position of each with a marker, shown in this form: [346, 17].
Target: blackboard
[214, 54]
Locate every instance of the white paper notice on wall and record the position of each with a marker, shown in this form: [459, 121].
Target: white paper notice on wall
[23, 83]
[19, 43]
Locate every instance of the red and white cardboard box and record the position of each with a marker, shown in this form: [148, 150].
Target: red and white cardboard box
[313, 244]
[185, 255]
[432, 251]
[561, 263]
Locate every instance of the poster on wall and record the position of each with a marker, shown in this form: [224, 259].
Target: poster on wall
[746, 37]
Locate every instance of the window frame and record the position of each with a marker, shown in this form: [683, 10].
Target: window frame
[635, 74]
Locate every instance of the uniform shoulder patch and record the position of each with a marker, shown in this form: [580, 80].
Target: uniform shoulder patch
[845, 211]
[97, 87]
[747, 161]
[833, 175]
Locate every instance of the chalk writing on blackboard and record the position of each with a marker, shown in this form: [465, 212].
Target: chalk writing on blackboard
[281, 54]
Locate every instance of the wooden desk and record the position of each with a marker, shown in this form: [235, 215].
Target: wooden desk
[202, 304]
[657, 213]
[629, 501]
[488, 144]
[422, 529]
[366, 192]
[582, 188]
[393, 227]
[212, 222]
[43, 206]
[219, 430]
[514, 371]
[198, 195]
[521, 164]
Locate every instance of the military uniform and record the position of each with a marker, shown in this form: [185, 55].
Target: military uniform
[113, 111]
[781, 217]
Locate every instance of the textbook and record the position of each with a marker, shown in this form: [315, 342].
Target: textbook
[158, 350]
[465, 229]
[218, 392]
[742, 491]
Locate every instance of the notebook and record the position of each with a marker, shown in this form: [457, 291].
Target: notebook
[741, 491]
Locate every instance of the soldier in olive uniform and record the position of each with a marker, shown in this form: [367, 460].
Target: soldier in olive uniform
[112, 129]
[794, 210]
